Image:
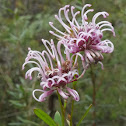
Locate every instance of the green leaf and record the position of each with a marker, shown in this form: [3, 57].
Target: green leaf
[17, 103]
[84, 115]
[24, 121]
[45, 117]
[88, 98]
[15, 124]
[57, 118]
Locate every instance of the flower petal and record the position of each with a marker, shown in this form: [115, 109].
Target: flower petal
[43, 96]
[73, 93]
[105, 46]
[62, 93]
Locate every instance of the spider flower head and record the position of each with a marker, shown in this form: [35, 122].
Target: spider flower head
[54, 71]
[85, 36]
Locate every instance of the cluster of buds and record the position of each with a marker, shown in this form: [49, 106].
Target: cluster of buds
[79, 40]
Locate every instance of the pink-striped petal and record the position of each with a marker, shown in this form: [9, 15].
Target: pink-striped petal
[64, 95]
[73, 93]
[43, 96]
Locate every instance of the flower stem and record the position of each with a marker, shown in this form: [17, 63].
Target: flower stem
[72, 105]
[65, 104]
[94, 95]
[72, 108]
[62, 109]
[82, 118]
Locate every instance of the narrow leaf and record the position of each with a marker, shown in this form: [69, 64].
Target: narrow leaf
[84, 115]
[57, 118]
[45, 117]
[68, 122]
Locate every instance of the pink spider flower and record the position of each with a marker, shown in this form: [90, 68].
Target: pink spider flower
[85, 36]
[54, 71]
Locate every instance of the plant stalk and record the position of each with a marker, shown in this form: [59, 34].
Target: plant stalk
[62, 110]
[72, 108]
[94, 95]
[72, 105]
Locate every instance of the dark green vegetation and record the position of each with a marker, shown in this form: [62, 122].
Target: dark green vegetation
[22, 24]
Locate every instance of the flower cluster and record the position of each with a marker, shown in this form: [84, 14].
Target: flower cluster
[85, 36]
[55, 71]
[54, 75]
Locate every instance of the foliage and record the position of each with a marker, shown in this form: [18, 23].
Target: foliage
[23, 24]
[45, 117]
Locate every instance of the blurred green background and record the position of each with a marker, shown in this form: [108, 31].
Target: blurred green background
[23, 23]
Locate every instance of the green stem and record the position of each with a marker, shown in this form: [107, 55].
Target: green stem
[72, 105]
[94, 95]
[72, 108]
[62, 110]
[84, 115]
[65, 104]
